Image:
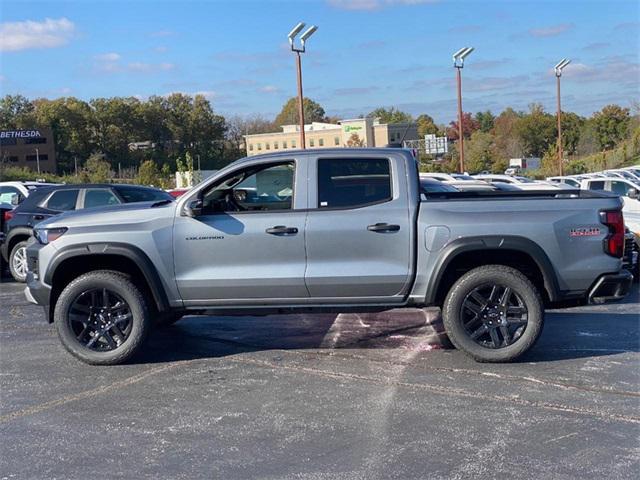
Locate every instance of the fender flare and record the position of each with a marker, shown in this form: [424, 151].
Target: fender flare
[130, 252]
[494, 242]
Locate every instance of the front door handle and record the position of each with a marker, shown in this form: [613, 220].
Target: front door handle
[282, 230]
[38, 217]
[383, 227]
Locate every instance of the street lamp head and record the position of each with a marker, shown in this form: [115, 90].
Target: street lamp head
[305, 36]
[560, 65]
[460, 55]
[296, 30]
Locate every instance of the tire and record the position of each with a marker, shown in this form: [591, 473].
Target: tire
[126, 312]
[168, 319]
[18, 262]
[465, 317]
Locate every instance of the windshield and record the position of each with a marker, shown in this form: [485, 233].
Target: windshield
[524, 180]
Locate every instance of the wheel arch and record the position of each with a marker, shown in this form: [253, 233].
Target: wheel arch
[69, 263]
[16, 235]
[518, 252]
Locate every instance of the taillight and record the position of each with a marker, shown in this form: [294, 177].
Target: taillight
[614, 242]
[8, 215]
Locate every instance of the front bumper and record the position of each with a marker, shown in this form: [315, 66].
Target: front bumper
[611, 287]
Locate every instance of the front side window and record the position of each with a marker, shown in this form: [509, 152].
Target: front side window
[353, 182]
[63, 200]
[99, 197]
[258, 188]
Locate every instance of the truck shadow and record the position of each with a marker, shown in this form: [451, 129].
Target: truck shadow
[567, 335]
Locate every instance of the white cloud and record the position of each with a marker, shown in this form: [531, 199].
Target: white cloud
[15, 36]
[369, 5]
[208, 94]
[551, 31]
[144, 67]
[269, 89]
[108, 57]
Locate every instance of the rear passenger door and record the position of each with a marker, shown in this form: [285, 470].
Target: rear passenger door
[98, 197]
[358, 234]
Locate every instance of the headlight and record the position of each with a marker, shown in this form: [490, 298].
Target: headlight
[48, 235]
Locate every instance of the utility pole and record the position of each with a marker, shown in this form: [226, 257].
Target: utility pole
[458, 64]
[558, 70]
[298, 50]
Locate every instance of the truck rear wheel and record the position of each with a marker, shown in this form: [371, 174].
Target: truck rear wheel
[102, 318]
[493, 313]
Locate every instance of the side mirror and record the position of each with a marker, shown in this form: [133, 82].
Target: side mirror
[632, 193]
[193, 208]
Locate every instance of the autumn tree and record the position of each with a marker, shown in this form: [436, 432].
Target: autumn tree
[148, 174]
[479, 152]
[355, 141]
[506, 141]
[289, 115]
[469, 125]
[426, 125]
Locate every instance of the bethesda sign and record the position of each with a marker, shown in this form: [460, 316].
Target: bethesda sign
[20, 134]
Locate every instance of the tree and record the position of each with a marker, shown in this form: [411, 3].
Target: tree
[390, 115]
[611, 125]
[16, 111]
[537, 131]
[148, 174]
[97, 169]
[479, 152]
[289, 115]
[485, 121]
[469, 125]
[507, 144]
[355, 141]
[571, 130]
[426, 126]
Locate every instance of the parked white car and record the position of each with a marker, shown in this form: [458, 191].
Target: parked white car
[14, 193]
[574, 182]
[628, 190]
[521, 182]
[467, 182]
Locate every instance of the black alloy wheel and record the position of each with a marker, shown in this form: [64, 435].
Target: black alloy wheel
[100, 319]
[494, 315]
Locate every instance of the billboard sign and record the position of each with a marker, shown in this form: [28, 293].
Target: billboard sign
[435, 145]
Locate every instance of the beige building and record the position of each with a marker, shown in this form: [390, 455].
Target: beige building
[358, 132]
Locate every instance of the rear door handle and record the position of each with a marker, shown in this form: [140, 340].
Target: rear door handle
[383, 227]
[282, 230]
[38, 217]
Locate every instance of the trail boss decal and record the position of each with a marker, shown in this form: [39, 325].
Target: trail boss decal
[585, 232]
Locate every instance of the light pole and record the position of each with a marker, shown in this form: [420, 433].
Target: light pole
[38, 159]
[298, 50]
[458, 63]
[558, 69]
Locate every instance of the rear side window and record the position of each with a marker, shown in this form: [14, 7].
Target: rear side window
[619, 188]
[131, 195]
[99, 198]
[63, 200]
[353, 182]
[596, 185]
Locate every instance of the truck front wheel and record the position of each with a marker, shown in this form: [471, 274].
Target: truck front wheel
[102, 318]
[493, 313]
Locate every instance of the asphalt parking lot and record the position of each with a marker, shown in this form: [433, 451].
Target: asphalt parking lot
[319, 397]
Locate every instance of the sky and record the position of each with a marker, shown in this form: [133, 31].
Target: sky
[365, 54]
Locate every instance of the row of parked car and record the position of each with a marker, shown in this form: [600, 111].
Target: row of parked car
[624, 182]
[25, 204]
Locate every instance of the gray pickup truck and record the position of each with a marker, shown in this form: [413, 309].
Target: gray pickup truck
[326, 230]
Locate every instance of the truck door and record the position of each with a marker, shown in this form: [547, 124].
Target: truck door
[358, 234]
[247, 243]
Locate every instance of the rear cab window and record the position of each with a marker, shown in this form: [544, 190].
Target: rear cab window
[353, 182]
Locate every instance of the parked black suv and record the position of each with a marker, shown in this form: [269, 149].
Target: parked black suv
[47, 202]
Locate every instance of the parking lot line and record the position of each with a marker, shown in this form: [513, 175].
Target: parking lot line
[90, 393]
